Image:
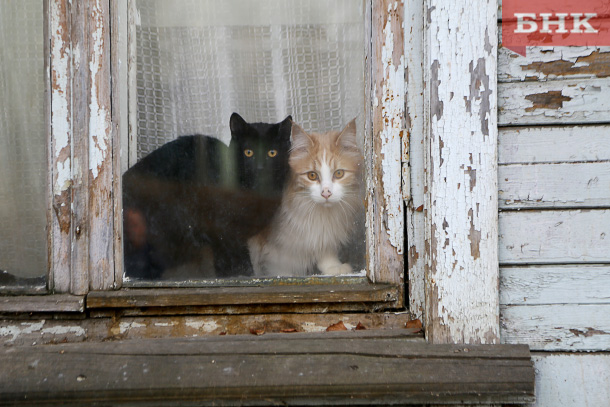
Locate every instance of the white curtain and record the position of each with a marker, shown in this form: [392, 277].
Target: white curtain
[198, 61]
[23, 242]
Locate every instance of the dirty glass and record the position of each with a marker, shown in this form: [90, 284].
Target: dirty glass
[23, 242]
[227, 178]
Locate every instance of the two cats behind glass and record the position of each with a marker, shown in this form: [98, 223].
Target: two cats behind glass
[262, 206]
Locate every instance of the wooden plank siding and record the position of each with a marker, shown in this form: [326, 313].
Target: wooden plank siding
[554, 222]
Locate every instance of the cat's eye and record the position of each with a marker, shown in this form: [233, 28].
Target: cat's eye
[272, 153]
[312, 175]
[339, 174]
[248, 153]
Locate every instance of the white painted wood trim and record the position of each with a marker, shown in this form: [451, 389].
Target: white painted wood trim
[413, 155]
[461, 200]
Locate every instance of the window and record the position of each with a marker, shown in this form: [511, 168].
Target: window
[194, 208]
[23, 240]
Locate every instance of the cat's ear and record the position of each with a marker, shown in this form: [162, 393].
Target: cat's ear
[347, 138]
[285, 128]
[300, 140]
[237, 124]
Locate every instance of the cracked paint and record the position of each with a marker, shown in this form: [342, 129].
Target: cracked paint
[392, 109]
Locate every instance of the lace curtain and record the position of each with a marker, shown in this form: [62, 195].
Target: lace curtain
[198, 61]
[23, 242]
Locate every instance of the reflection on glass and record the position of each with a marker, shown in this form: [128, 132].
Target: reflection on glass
[246, 164]
[23, 243]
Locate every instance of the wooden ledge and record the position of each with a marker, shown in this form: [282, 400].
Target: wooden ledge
[227, 296]
[43, 303]
[333, 368]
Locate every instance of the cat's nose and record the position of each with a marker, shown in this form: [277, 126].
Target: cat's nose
[326, 193]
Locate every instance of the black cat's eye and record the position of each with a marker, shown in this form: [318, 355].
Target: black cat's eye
[339, 174]
[272, 153]
[312, 175]
[248, 153]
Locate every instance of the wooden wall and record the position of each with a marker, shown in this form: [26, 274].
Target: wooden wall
[554, 223]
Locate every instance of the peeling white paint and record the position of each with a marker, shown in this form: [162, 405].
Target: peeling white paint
[24, 328]
[62, 330]
[165, 324]
[127, 326]
[312, 327]
[392, 109]
[99, 119]
[60, 116]
[205, 326]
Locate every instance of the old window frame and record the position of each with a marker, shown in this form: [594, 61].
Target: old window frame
[84, 216]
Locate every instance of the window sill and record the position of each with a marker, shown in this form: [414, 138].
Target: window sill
[220, 300]
[359, 367]
[42, 303]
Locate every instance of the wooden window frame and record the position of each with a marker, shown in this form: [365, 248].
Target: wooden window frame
[409, 130]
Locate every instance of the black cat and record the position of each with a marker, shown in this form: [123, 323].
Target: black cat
[195, 193]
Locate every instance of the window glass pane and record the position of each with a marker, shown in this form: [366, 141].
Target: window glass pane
[23, 242]
[197, 209]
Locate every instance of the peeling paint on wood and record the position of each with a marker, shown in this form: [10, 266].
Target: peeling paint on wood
[557, 327]
[554, 102]
[61, 133]
[39, 332]
[101, 203]
[386, 213]
[461, 188]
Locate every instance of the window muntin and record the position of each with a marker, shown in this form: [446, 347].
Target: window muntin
[23, 163]
[202, 61]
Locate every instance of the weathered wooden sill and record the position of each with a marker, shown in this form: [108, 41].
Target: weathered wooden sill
[42, 303]
[357, 367]
[278, 298]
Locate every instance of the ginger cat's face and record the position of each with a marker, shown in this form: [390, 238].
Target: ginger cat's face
[326, 166]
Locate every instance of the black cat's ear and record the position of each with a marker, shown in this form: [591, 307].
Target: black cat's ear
[347, 138]
[285, 128]
[237, 123]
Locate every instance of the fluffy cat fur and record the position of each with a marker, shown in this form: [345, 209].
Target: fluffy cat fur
[319, 208]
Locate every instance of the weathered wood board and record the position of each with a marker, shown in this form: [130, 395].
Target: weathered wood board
[559, 327]
[553, 144]
[333, 368]
[554, 237]
[565, 185]
[551, 63]
[572, 380]
[570, 101]
[96, 329]
[561, 284]
[43, 303]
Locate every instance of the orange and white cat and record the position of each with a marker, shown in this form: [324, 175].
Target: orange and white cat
[320, 202]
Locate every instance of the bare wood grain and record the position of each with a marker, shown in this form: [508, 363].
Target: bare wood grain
[256, 375]
[43, 303]
[243, 295]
